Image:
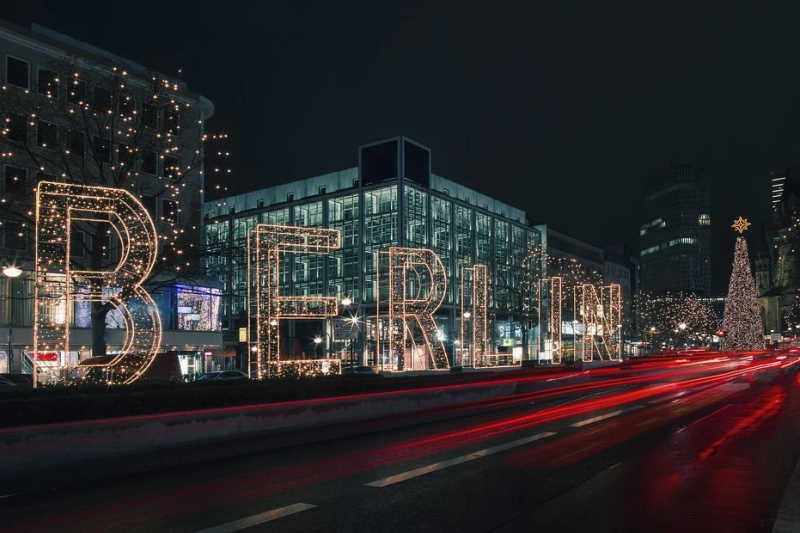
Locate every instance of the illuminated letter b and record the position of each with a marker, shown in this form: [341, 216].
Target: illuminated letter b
[59, 281]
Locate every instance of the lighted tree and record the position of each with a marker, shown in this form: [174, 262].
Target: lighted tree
[538, 264]
[113, 126]
[791, 317]
[673, 319]
[742, 323]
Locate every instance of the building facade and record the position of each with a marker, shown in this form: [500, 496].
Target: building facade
[390, 199]
[675, 237]
[75, 113]
[776, 269]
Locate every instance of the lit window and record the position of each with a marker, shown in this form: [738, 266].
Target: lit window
[704, 219]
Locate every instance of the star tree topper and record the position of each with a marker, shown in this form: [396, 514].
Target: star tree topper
[741, 224]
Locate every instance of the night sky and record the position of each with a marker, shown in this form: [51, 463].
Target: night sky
[564, 109]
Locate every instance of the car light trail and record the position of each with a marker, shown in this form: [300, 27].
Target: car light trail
[240, 487]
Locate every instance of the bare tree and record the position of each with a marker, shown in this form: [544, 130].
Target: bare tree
[101, 124]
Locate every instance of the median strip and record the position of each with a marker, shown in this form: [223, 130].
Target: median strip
[433, 467]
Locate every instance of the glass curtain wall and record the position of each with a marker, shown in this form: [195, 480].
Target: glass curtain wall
[308, 268]
[380, 223]
[416, 217]
[441, 235]
[464, 243]
[240, 229]
[280, 217]
[217, 256]
[343, 265]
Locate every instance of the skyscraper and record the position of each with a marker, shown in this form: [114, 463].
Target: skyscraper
[675, 236]
[777, 184]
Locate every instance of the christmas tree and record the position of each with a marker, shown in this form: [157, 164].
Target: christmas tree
[742, 322]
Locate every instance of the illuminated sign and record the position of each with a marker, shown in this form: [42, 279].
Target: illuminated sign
[417, 286]
[601, 315]
[266, 244]
[58, 284]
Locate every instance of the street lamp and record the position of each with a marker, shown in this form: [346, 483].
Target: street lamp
[317, 342]
[11, 271]
[346, 301]
[467, 315]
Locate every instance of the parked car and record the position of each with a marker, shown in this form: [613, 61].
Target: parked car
[224, 375]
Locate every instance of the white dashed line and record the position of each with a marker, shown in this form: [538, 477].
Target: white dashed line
[421, 471]
[256, 519]
[597, 418]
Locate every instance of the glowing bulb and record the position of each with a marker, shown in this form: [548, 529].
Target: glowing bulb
[11, 271]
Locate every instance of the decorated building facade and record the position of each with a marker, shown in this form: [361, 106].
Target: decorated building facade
[74, 113]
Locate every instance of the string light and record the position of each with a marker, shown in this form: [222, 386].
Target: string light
[404, 311]
[478, 275]
[742, 321]
[553, 327]
[266, 307]
[602, 321]
[58, 285]
[658, 316]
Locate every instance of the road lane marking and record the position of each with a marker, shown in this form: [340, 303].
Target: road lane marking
[598, 418]
[256, 519]
[421, 471]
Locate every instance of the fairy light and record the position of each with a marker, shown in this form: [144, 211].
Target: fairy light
[266, 243]
[418, 272]
[474, 284]
[601, 315]
[553, 327]
[742, 320]
[57, 284]
[659, 315]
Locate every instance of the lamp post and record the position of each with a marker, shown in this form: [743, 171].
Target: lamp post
[317, 341]
[652, 338]
[471, 351]
[12, 271]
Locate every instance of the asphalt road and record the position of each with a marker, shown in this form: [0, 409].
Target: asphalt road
[673, 445]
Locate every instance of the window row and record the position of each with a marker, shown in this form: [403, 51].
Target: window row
[76, 91]
[51, 137]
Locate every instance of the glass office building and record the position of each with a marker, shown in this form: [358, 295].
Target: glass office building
[390, 199]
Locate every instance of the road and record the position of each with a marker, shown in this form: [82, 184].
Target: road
[676, 444]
